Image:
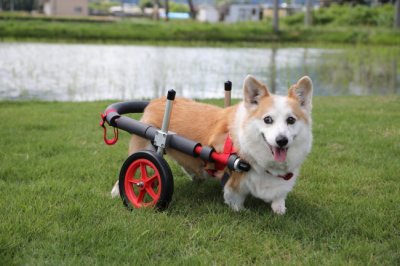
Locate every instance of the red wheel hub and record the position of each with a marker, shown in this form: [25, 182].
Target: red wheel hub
[142, 183]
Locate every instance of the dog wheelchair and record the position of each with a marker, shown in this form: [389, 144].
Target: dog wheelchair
[145, 178]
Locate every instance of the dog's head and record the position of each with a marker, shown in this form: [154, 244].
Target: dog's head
[281, 123]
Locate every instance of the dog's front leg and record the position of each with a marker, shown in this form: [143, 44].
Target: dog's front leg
[234, 199]
[278, 206]
[235, 192]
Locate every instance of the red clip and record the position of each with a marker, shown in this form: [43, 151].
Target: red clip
[102, 124]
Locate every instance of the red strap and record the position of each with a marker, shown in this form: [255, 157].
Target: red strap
[228, 150]
[102, 124]
[228, 146]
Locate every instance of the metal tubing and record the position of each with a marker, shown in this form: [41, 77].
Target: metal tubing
[167, 117]
[228, 88]
[143, 130]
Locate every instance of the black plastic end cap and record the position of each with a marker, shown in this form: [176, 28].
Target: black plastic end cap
[171, 95]
[228, 85]
[244, 166]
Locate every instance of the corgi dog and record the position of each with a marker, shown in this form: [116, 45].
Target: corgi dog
[270, 132]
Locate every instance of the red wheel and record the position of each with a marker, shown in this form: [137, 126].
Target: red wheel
[146, 180]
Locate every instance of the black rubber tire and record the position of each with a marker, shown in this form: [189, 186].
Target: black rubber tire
[166, 178]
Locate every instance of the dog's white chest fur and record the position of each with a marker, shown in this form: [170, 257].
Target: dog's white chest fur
[268, 187]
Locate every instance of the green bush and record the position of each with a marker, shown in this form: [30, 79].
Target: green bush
[176, 7]
[345, 15]
[295, 19]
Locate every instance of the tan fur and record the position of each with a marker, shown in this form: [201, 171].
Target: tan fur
[265, 104]
[235, 180]
[295, 100]
[203, 123]
[298, 112]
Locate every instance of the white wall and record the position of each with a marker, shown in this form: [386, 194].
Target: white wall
[208, 14]
[243, 13]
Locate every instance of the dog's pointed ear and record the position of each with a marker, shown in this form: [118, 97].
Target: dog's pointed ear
[302, 91]
[253, 91]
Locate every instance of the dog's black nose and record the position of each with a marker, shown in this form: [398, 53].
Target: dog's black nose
[281, 140]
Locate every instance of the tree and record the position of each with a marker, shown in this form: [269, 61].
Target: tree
[166, 3]
[275, 21]
[397, 14]
[191, 8]
[25, 5]
[308, 15]
[156, 14]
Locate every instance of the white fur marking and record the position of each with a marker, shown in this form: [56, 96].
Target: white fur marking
[278, 206]
[233, 199]
[115, 190]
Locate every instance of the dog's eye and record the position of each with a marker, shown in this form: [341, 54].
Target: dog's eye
[291, 120]
[268, 120]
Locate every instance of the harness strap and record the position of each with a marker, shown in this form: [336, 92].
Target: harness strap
[225, 179]
[228, 150]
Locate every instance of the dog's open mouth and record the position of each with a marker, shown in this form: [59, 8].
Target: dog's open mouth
[278, 153]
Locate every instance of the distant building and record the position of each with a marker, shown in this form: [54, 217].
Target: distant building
[240, 12]
[283, 10]
[66, 8]
[207, 13]
[126, 10]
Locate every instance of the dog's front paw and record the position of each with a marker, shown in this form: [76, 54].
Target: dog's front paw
[278, 207]
[234, 200]
[237, 207]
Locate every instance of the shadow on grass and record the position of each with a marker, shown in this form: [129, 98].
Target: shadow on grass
[304, 217]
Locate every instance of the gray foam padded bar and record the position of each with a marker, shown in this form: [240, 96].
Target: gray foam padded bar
[136, 127]
[182, 144]
[124, 108]
[128, 107]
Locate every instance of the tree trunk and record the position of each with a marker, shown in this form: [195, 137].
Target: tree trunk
[272, 70]
[191, 8]
[275, 22]
[308, 14]
[166, 3]
[397, 14]
[156, 15]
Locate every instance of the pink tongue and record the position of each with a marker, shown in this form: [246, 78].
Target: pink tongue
[279, 154]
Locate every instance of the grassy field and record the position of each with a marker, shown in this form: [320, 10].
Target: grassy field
[56, 174]
[186, 32]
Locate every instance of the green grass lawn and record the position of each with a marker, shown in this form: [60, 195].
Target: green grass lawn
[56, 175]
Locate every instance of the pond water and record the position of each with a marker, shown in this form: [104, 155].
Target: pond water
[72, 72]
